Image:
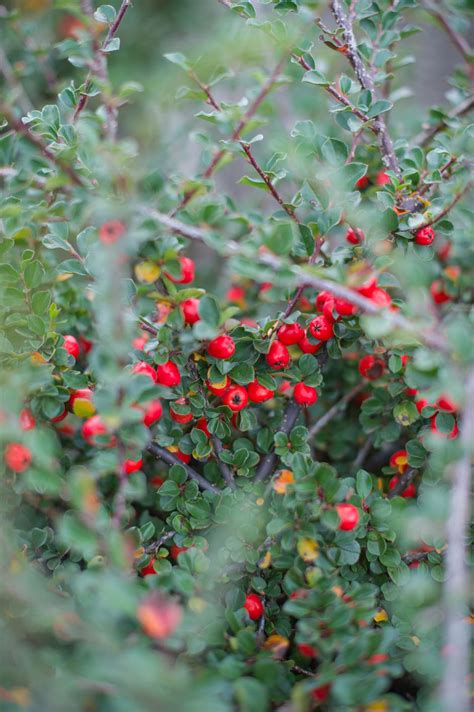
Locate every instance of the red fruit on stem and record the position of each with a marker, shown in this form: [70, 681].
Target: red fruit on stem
[371, 367]
[17, 457]
[139, 343]
[355, 236]
[362, 183]
[235, 294]
[305, 395]
[408, 492]
[399, 460]
[307, 346]
[321, 328]
[258, 393]
[290, 334]
[167, 374]
[152, 412]
[201, 424]
[80, 402]
[93, 427]
[381, 297]
[84, 344]
[190, 311]
[368, 287]
[149, 569]
[344, 308]
[130, 466]
[254, 606]
[218, 389]
[187, 271]
[321, 300]
[446, 404]
[438, 292]
[444, 251]
[236, 398]
[222, 347]
[27, 420]
[420, 404]
[278, 356]
[61, 416]
[348, 516]
[382, 178]
[451, 435]
[425, 235]
[72, 346]
[183, 456]
[111, 231]
[145, 369]
[176, 550]
[307, 650]
[321, 693]
[377, 658]
[180, 417]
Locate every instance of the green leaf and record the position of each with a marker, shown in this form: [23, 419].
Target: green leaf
[105, 14]
[40, 302]
[179, 59]
[113, 45]
[250, 694]
[379, 108]
[33, 274]
[209, 310]
[315, 77]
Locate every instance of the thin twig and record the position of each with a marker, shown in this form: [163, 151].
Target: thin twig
[290, 416]
[20, 128]
[366, 81]
[154, 546]
[402, 482]
[223, 467]
[335, 409]
[448, 208]
[287, 208]
[363, 452]
[425, 136]
[454, 683]
[170, 459]
[457, 39]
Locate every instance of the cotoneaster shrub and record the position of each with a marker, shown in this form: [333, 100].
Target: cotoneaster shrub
[235, 418]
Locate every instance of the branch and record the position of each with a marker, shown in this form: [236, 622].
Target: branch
[334, 410]
[288, 210]
[363, 452]
[223, 467]
[170, 459]
[457, 39]
[82, 103]
[367, 82]
[431, 338]
[454, 684]
[267, 86]
[448, 208]
[425, 136]
[153, 548]
[403, 482]
[290, 416]
[20, 128]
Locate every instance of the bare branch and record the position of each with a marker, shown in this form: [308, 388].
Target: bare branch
[335, 409]
[454, 684]
[223, 467]
[170, 459]
[448, 208]
[425, 136]
[457, 39]
[290, 416]
[402, 482]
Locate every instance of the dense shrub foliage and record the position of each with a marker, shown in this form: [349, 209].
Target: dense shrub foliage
[237, 360]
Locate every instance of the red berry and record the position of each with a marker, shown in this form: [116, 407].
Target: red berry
[139, 343]
[278, 356]
[93, 427]
[321, 300]
[344, 308]
[290, 334]
[176, 550]
[72, 346]
[446, 404]
[381, 297]
[201, 424]
[368, 287]
[190, 311]
[377, 658]
[236, 398]
[355, 237]
[399, 460]
[371, 367]
[144, 368]
[219, 388]
[111, 231]
[305, 395]
[307, 650]
[408, 492]
[307, 346]
[258, 393]
[222, 347]
[183, 456]
[321, 328]
[438, 292]
[382, 178]
[167, 374]
[152, 412]
[149, 569]
[130, 466]
[348, 516]
[420, 404]
[61, 416]
[425, 235]
[321, 693]
[178, 417]
[84, 344]
[27, 420]
[187, 271]
[254, 606]
[80, 402]
[453, 434]
[362, 183]
[17, 457]
[444, 251]
[235, 294]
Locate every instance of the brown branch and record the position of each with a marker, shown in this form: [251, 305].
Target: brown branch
[335, 409]
[153, 548]
[454, 683]
[447, 209]
[402, 483]
[20, 128]
[100, 61]
[170, 459]
[290, 416]
[366, 81]
[457, 39]
[363, 452]
[266, 88]
[425, 136]
[288, 209]
[223, 467]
